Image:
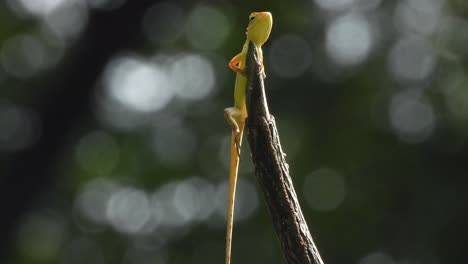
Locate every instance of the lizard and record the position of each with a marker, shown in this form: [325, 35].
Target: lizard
[258, 31]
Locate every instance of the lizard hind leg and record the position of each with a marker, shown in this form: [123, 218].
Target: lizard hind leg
[236, 119]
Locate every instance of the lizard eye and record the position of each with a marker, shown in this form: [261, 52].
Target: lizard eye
[252, 18]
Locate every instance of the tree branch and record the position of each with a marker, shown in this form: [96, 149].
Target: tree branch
[272, 172]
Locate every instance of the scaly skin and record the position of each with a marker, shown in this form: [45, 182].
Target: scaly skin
[258, 31]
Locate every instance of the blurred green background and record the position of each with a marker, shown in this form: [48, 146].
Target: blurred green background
[114, 148]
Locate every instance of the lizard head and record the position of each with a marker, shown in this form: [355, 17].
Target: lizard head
[259, 27]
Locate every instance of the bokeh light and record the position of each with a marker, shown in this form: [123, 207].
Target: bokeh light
[91, 203]
[23, 56]
[38, 8]
[349, 39]
[67, 22]
[412, 58]
[418, 15]
[193, 199]
[61, 20]
[138, 85]
[412, 116]
[163, 209]
[377, 258]
[136, 88]
[196, 32]
[192, 76]
[324, 189]
[367, 5]
[128, 210]
[334, 5]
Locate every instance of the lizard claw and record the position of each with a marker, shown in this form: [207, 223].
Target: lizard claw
[262, 71]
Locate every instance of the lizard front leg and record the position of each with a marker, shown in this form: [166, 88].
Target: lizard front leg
[234, 64]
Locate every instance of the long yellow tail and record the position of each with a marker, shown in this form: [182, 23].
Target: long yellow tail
[234, 168]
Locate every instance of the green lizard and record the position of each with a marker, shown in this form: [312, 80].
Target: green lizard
[258, 32]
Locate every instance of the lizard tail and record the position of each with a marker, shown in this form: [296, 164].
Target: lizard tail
[236, 141]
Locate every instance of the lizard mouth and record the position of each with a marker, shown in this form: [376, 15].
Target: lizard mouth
[263, 14]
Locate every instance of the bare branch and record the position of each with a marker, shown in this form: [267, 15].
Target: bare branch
[272, 172]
